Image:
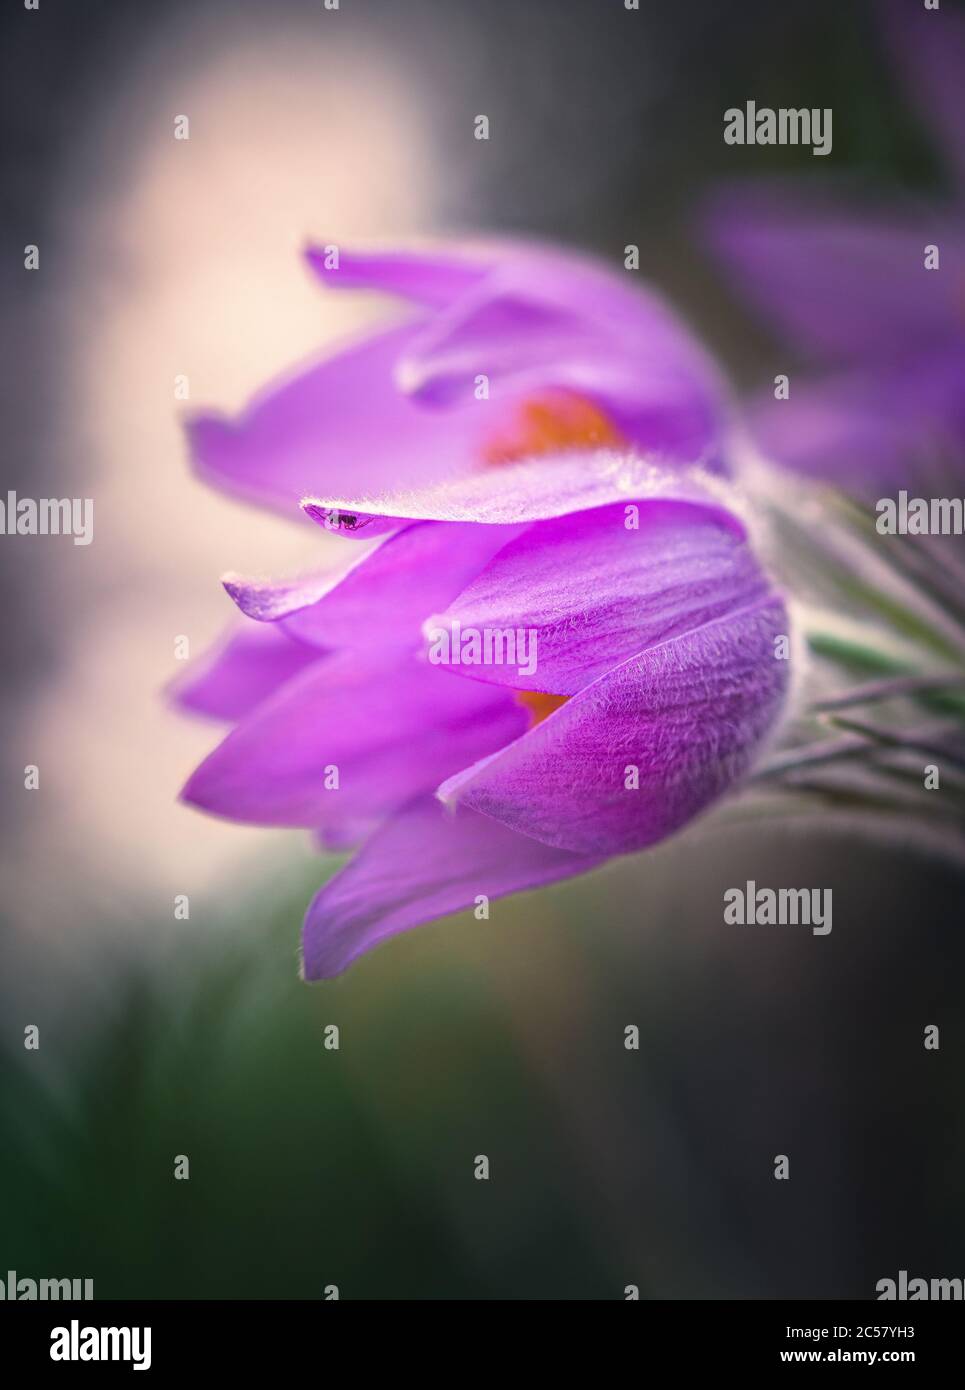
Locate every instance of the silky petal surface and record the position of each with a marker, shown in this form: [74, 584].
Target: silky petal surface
[689, 714]
[246, 668]
[341, 424]
[577, 596]
[347, 834]
[430, 278]
[551, 320]
[385, 597]
[531, 318]
[513, 494]
[424, 863]
[387, 725]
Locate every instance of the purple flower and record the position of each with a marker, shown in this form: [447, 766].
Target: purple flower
[506, 351]
[559, 646]
[846, 279]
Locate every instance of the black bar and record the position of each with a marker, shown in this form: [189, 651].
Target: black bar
[249, 1337]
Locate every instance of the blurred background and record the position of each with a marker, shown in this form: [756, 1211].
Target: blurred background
[162, 258]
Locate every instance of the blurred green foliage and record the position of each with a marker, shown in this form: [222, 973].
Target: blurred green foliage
[307, 1166]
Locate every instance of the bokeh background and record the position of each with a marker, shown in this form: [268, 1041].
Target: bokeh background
[162, 1037]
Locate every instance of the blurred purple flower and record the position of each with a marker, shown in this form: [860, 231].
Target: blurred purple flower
[653, 680]
[845, 278]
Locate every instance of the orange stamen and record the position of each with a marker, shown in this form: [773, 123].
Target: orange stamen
[539, 704]
[550, 423]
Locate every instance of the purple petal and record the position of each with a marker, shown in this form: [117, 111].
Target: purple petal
[385, 597]
[387, 725]
[425, 863]
[847, 282]
[827, 432]
[430, 278]
[513, 494]
[689, 714]
[272, 600]
[582, 594]
[876, 430]
[348, 834]
[545, 320]
[340, 425]
[241, 672]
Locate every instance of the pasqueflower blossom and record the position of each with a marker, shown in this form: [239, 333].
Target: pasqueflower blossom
[868, 291]
[558, 646]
